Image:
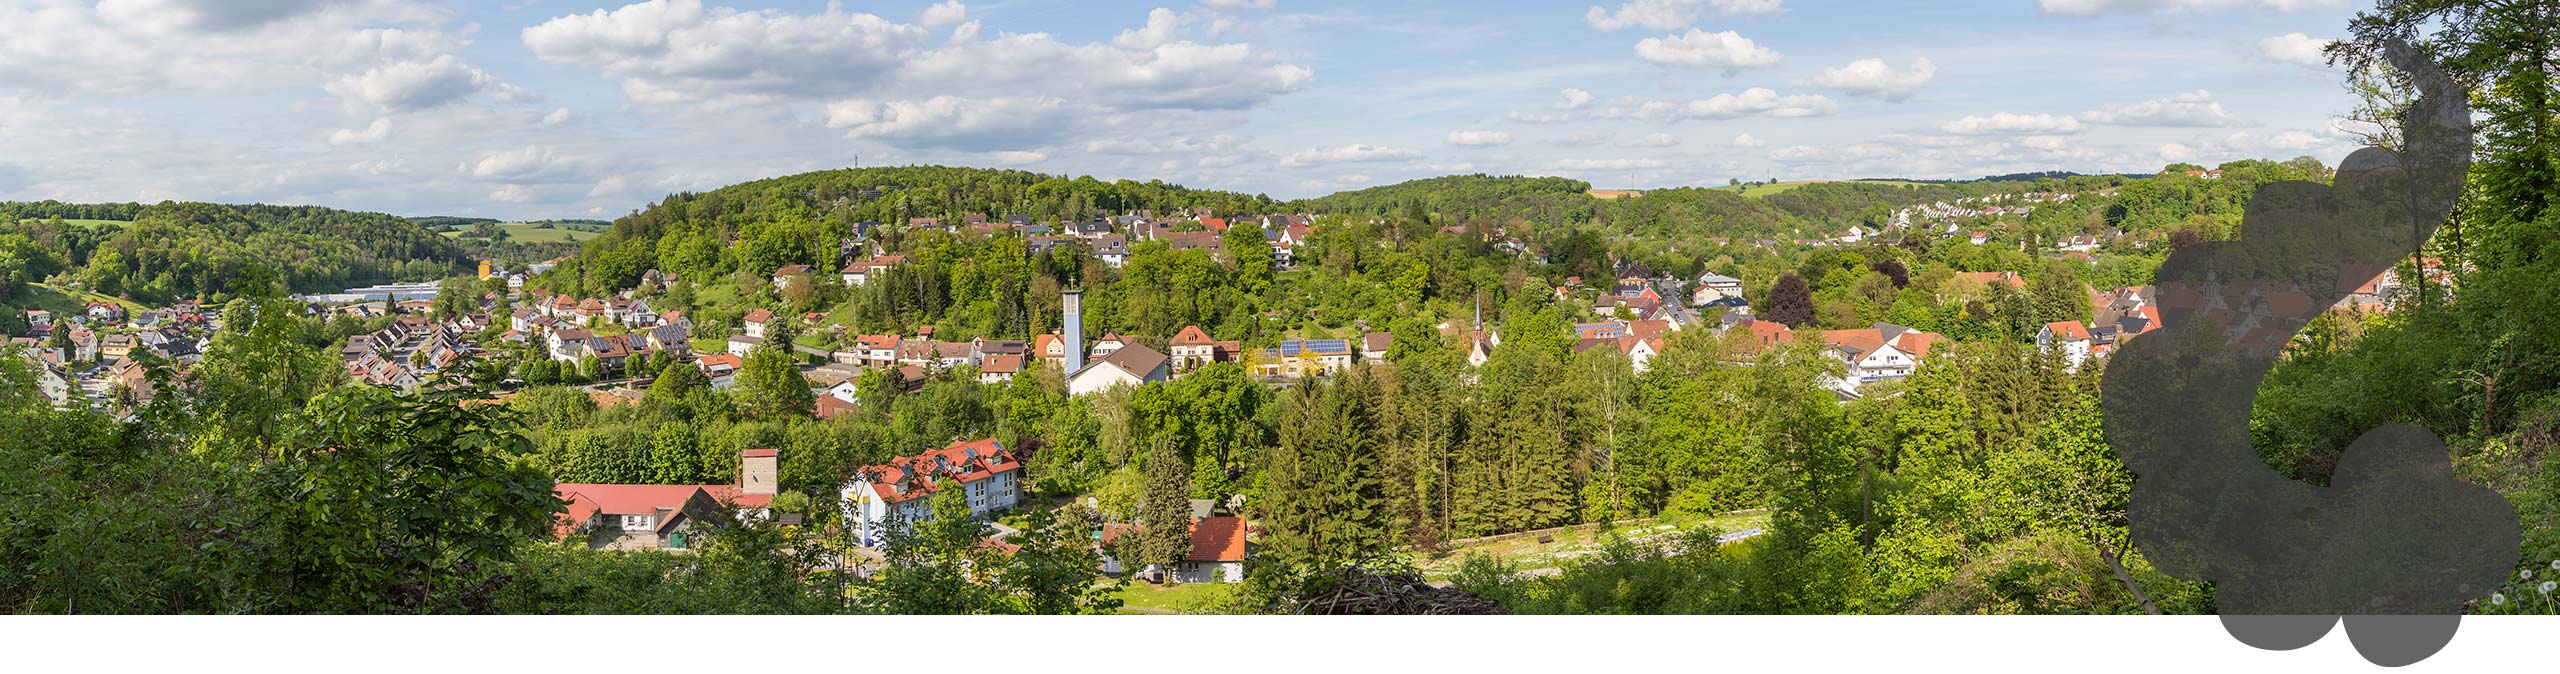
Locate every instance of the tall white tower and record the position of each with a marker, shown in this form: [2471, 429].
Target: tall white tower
[1073, 303]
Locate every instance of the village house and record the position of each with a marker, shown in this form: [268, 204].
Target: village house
[862, 271]
[1374, 346]
[999, 368]
[741, 345]
[1192, 348]
[897, 493]
[789, 274]
[1131, 365]
[666, 517]
[1880, 353]
[1298, 358]
[759, 322]
[2069, 338]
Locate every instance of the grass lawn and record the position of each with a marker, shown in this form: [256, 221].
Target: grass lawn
[1147, 598]
[66, 302]
[527, 233]
[95, 223]
[1566, 546]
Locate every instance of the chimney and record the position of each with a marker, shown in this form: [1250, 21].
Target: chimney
[1072, 302]
[757, 471]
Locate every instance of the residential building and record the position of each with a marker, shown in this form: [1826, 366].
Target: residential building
[1131, 365]
[897, 493]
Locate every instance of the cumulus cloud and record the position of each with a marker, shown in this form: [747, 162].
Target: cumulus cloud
[1356, 152]
[1674, 14]
[2098, 7]
[513, 194]
[950, 122]
[2191, 109]
[1470, 138]
[375, 132]
[535, 164]
[1872, 77]
[2011, 124]
[2295, 48]
[678, 51]
[415, 85]
[1700, 49]
[1748, 140]
[945, 13]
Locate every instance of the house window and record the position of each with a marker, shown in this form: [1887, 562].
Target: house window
[638, 522]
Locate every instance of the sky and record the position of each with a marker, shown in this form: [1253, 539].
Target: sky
[527, 109]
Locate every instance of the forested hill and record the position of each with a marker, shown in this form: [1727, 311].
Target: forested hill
[798, 219]
[171, 250]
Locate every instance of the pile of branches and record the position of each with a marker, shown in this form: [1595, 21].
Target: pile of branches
[1358, 591]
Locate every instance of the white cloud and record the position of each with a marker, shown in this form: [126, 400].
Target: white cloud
[1655, 140]
[1748, 140]
[1620, 164]
[1871, 77]
[208, 15]
[2191, 109]
[2174, 152]
[415, 85]
[1242, 4]
[1700, 49]
[2010, 124]
[1356, 152]
[1018, 158]
[375, 132]
[1479, 138]
[1574, 99]
[951, 122]
[513, 194]
[556, 117]
[1674, 14]
[1753, 101]
[678, 52]
[2295, 48]
[535, 164]
[945, 13]
[2097, 7]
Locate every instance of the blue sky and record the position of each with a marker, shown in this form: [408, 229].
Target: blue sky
[553, 108]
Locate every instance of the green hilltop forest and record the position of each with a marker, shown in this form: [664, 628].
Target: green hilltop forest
[1983, 483]
[170, 251]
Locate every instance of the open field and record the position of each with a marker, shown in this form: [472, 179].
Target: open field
[1766, 190]
[529, 233]
[1613, 194]
[65, 301]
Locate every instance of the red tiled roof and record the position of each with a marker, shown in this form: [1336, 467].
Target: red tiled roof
[1191, 335]
[830, 407]
[911, 477]
[2070, 330]
[760, 315]
[1217, 539]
